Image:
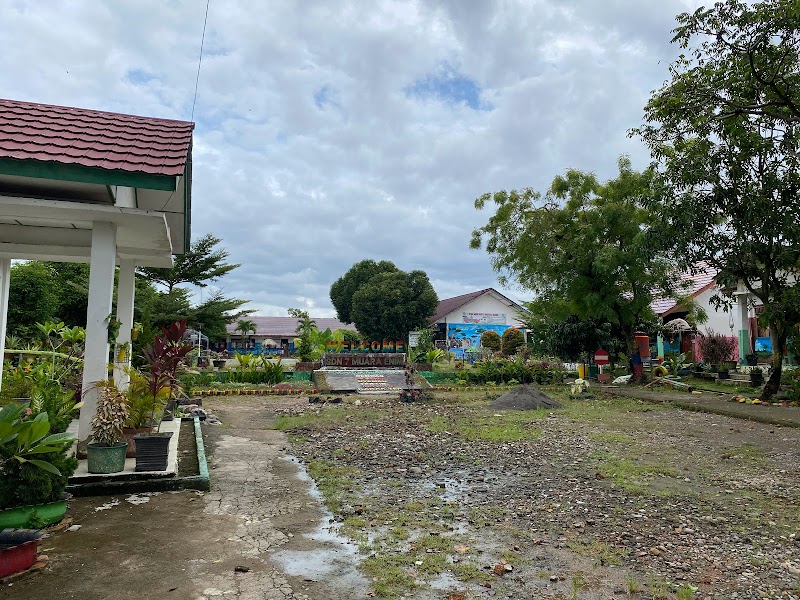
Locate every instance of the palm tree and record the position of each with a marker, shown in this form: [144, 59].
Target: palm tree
[245, 327]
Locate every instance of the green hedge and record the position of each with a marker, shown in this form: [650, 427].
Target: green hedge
[205, 379]
[437, 377]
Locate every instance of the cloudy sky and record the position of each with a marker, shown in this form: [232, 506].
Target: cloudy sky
[329, 132]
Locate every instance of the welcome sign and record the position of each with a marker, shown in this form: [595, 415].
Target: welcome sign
[363, 347]
[363, 360]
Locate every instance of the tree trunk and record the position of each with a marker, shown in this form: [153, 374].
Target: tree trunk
[778, 335]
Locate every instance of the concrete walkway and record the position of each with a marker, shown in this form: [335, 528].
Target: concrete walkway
[188, 545]
[787, 416]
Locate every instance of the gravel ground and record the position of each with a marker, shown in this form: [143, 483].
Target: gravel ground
[607, 498]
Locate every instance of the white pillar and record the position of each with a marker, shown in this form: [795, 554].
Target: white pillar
[744, 326]
[5, 279]
[101, 292]
[125, 296]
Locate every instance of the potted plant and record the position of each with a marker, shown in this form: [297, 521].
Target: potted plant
[716, 348]
[163, 358]
[113, 328]
[757, 376]
[751, 360]
[106, 452]
[723, 371]
[34, 468]
[144, 408]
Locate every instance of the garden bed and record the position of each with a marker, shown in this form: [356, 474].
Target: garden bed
[181, 473]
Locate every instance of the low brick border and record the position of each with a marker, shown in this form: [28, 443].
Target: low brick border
[203, 392]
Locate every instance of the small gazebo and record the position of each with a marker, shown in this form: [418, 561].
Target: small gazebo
[80, 185]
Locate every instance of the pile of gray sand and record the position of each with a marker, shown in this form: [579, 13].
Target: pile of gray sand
[524, 397]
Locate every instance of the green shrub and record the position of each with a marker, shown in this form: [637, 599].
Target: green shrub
[512, 339]
[58, 403]
[271, 374]
[491, 340]
[22, 484]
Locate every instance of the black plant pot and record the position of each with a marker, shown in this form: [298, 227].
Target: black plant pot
[724, 375]
[757, 378]
[751, 360]
[152, 451]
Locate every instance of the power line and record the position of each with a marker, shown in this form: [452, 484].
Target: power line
[200, 61]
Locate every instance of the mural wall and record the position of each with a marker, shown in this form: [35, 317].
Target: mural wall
[462, 336]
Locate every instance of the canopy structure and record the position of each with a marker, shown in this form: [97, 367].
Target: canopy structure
[678, 326]
[80, 185]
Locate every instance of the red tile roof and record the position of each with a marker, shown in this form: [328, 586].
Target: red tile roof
[93, 138]
[695, 283]
[448, 305]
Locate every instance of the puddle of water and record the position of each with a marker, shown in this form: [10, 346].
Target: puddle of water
[336, 561]
[107, 505]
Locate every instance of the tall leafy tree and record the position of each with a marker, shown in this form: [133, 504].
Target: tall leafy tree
[347, 285]
[202, 264]
[72, 282]
[393, 303]
[584, 247]
[725, 132]
[32, 297]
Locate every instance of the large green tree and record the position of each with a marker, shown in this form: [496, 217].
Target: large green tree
[389, 305]
[347, 285]
[584, 247]
[202, 264]
[724, 130]
[32, 297]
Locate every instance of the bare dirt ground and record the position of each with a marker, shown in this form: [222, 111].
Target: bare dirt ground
[607, 498]
[450, 499]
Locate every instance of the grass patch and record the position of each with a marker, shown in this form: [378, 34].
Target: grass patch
[748, 453]
[327, 419]
[609, 410]
[632, 476]
[389, 573]
[603, 553]
[612, 438]
[486, 515]
[332, 481]
[509, 426]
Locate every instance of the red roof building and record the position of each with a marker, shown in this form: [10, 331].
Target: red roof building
[82, 185]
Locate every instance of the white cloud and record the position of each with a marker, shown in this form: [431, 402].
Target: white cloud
[311, 154]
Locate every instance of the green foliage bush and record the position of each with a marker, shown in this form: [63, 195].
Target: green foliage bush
[22, 484]
[543, 372]
[268, 376]
[512, 339]
[491, 340]
[716, 348]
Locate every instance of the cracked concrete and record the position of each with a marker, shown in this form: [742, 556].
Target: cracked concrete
[187, 545]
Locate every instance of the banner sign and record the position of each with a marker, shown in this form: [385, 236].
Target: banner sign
[413, 339]
[364, 360]
[484, 318]
[365, 346]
